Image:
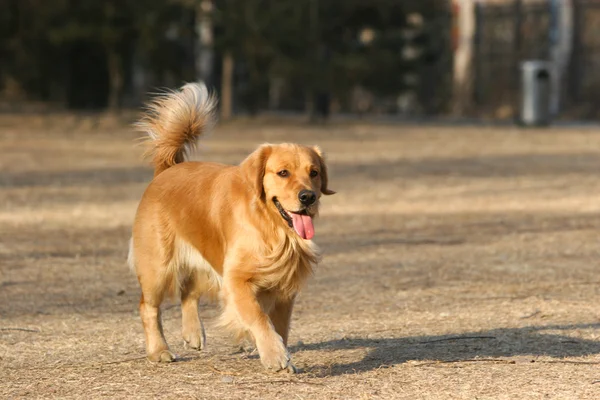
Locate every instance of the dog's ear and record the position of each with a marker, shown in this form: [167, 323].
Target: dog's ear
[324, 177]
[253, 168]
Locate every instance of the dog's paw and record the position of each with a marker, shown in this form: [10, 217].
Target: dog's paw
[291, 368]
[195, 339]
[163, 356]
[275, 357]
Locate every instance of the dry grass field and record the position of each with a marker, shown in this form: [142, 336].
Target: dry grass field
[459, 263]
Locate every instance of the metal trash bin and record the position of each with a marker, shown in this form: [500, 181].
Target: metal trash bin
[535, 93]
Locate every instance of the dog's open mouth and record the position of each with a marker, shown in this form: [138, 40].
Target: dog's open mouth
[300, 221]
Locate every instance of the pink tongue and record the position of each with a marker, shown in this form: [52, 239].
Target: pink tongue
[303, 226]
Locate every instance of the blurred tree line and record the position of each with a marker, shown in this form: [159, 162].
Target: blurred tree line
[260, 54]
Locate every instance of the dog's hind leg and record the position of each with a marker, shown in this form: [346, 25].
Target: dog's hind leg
[155, 282]
[156, 345]
[280, 315]
[192, 327]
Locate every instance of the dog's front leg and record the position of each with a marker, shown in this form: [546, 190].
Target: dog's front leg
[242, 300]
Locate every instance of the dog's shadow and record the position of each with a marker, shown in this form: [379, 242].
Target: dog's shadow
[528, 342]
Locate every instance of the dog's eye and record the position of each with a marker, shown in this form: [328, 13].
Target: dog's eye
[314, 173]
[283, 173]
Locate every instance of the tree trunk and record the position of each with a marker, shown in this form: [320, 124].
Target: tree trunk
[227, 87]
[115, 76]
[138, 76]
[205, 42]
[463, 57]
[315, 78]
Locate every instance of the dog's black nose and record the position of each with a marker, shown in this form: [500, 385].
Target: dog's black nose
[307, 197]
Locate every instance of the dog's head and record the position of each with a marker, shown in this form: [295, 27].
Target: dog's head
[290, 180]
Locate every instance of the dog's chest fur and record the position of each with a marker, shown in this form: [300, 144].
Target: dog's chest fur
[287, 266]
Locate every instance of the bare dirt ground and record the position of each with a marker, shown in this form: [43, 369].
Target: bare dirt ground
[459, 263]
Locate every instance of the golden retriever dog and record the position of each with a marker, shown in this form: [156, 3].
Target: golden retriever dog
[239, 233]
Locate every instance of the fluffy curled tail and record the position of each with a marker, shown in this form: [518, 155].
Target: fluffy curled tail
[174, 122]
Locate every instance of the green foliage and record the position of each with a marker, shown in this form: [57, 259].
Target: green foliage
[310, 44]
[314, 44]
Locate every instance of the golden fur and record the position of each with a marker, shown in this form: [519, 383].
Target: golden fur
[223, 231]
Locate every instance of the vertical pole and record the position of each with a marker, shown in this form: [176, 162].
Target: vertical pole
[463, 82]
[115, 75]
[565, 47]
[554, 53]
[227, 86]
[518, 42]
[204, 48]
[576, 69]
[517, 54]
[478, 54]
[314, 38]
